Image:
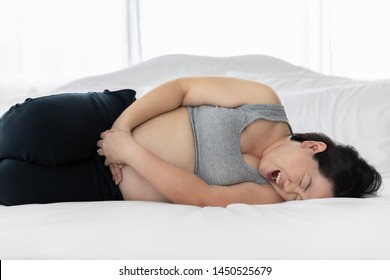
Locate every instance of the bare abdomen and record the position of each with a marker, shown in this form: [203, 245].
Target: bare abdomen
[170, 137]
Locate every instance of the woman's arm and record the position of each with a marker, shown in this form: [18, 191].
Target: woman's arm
[194, 91]
[175, 183]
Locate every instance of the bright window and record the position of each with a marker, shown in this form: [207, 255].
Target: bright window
[45, 43]
[223, 27]
[346, 38]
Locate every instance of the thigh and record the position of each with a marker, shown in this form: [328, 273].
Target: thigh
[58, 129]
[25, 183]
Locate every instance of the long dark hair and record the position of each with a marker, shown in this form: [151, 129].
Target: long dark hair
[349, 173]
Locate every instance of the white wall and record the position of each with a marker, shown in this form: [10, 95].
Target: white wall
[360, 38]
[45, 43]
[340, 37]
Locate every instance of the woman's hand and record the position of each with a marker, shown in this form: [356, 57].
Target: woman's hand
[113, 146]
[116, 172]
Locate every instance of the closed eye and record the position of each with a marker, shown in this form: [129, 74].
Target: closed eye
[308, 186]
[301, 184]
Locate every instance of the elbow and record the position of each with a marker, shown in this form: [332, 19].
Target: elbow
[209, 200]
[202, 200]
[205, 204]
[199, 202]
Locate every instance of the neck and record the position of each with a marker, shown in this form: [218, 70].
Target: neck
[275, 144]
[250, 143]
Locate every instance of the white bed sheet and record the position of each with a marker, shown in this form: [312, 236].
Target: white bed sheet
[337, 228]
[316, 229]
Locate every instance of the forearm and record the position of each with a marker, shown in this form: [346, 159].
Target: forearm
[195, 91]
[162, 99]
[183, 187]
[175, 183]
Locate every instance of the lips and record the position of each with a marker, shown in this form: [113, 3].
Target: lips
[275, 176]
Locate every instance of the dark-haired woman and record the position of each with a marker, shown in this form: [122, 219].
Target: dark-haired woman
[206, 141]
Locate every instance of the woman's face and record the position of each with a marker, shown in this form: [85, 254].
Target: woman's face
[293, 172]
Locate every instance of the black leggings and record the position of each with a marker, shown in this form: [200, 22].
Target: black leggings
[48, 148]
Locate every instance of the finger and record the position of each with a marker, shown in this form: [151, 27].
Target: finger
[99, 143]
[104, 134]
[113, 173]
[100, 152]
[118, 173]
[107, 162]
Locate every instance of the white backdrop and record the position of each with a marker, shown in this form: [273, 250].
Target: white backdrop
[45, 43]
[339, 37]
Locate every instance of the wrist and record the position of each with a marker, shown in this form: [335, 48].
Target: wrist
[122, 127]
[133, 151]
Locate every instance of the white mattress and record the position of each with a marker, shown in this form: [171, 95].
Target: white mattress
[354, 112]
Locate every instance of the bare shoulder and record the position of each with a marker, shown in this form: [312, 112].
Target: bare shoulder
[258, 92]
[227, 91]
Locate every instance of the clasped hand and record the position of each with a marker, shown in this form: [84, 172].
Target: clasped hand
[112, 146]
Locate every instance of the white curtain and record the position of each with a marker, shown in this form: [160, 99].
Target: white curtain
[294, 30]
[339, 37]
[134, 46]
[45, 43]
[360, 38]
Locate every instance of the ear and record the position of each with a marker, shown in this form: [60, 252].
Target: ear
[314, 146]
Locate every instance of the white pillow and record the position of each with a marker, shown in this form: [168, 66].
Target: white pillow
[358, 115]
[160, 69]
[295, 81]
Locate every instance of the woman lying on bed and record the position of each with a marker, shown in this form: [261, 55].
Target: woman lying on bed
[199, 141]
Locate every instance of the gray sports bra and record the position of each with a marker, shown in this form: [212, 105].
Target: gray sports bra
[217, 132]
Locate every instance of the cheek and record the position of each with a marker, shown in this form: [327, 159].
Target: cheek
[273, 161]
[296, 168]
[289, 161]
